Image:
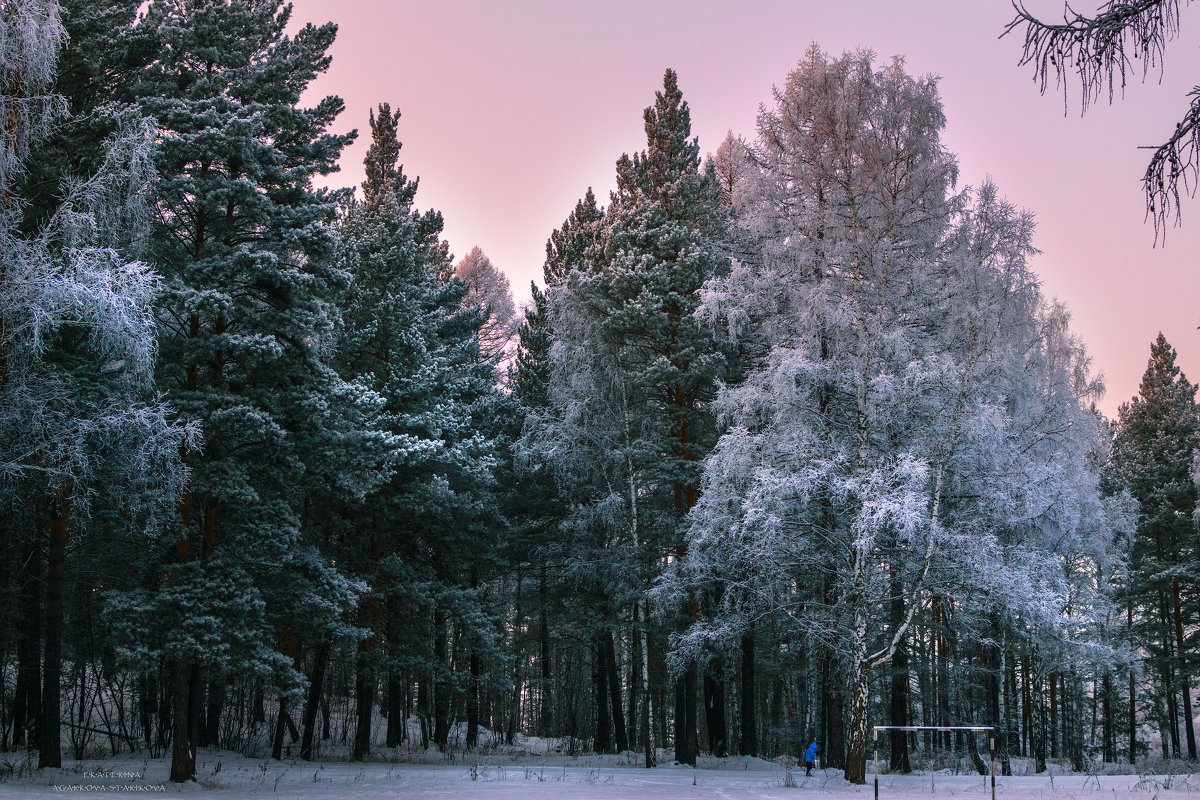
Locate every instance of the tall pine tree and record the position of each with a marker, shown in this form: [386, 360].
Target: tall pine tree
[1157, 435]
[633, 377]
[244, 242]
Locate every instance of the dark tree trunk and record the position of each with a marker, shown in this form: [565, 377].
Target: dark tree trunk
[1039, 727]
[899, 689]
[316, 680]
[1108, 731]
[1053, 731]
[995, 689]
[396, 716]
[714, 714]
[614, 691]
[424, 713]
[680, 722]
[1026, 709]
[216, 700]
[258, 708]
[28, 700]
[834, 754]
[441, 684]
[147, 705]
[1165, 669]
[1132, 699]
[195, 709]
[942, 672]
[1185, 683]
[472, 738]
[687, 697]
[547, 709]
[280, 727]
[364, 696]
[749, 720]
[635, 680]
[283, 720]
[183, 762]
[603, 742]
[49, 744]
[166, 704]
[647, 692]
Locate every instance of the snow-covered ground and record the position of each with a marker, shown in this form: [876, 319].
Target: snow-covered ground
[230, 776]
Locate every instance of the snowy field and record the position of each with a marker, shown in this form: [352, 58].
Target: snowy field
[228, 775]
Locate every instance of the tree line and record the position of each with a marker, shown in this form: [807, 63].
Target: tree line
[789, 443]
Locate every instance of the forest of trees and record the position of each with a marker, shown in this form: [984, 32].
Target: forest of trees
[789, 443]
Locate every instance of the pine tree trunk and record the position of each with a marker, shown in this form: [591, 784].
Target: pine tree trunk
[899, 695]
[603, 741]
[1026, 709]
[472, 738]
[1039, 728]
[680, 722]
[647, 694]
[1185, 683]
[614, 691]
[1132, 698]
[1106, 707]
[635, 680]
[396, 716]
[1053, 731]
[216, 701]
[282, 720]
[28, 700]
[424, 712]
[183, 763]
[166, 703]
[147, 702]
[998, 699]
[316, 680]
[690, 709]
[195, 709]
[49, 729]
[364, 697]
[1165, 669]
[441, 685]
[547, 709]
[749, 721]
[834, 752]
[714, 710]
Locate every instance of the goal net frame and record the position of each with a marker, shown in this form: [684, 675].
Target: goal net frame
[990, 729]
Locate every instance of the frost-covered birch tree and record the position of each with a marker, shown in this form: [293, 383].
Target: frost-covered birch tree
[79, 420]
[908, 417]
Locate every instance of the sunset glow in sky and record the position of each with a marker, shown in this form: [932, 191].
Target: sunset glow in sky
[513, 109]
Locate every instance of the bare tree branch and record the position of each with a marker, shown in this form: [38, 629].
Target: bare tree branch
[1102, 52]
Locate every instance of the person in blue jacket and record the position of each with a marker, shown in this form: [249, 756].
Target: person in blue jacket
[810, 756]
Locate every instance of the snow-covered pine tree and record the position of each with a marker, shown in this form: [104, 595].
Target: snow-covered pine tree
[535, 503]
[1157, 437]
[246, 315]
[424, 535]
[94, 67]
[632, 374]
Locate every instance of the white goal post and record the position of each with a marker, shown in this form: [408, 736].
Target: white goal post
[941, 728]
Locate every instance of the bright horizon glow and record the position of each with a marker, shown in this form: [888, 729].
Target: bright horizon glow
[512, 110]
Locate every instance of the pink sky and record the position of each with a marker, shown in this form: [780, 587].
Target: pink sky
[513, 109]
